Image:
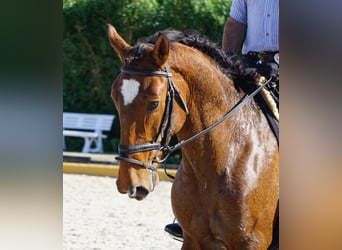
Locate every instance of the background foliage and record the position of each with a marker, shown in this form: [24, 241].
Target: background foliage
[90, 64]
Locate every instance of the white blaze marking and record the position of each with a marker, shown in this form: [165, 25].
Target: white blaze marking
[129, 90]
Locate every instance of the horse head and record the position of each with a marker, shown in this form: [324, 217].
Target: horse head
[148, 118]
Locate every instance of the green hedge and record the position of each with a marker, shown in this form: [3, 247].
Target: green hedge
[90, 64]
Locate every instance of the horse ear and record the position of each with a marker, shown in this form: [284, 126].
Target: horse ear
[118, 43]
[161, 50]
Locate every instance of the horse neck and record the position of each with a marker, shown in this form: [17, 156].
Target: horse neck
[211, 95]
[230, 150]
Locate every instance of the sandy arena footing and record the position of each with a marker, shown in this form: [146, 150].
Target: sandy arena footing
[97, 216]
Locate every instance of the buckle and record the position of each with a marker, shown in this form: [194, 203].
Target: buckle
[276, 58]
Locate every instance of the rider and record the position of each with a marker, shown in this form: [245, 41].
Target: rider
[260, 49]
[259, 45]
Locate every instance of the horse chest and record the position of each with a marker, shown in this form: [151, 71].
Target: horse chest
[215, 229]
[204, 205]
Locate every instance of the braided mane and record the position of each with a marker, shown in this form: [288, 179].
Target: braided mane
[244, 78]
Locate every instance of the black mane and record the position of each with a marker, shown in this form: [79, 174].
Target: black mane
[244, 78]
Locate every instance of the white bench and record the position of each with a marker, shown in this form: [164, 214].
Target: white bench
[89, 127]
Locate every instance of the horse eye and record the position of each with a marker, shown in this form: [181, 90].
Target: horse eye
[152, 105]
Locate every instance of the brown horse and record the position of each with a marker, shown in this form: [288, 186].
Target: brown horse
[226, 189]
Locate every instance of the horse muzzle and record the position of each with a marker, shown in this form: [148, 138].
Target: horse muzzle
[139, 193]
[136, 182]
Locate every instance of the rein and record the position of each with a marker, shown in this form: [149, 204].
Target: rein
[239, 104]
[166, 124]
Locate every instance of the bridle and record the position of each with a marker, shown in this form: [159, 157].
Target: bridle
[164, 134]
[166, 124]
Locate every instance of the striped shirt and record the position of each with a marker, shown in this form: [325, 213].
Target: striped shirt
[262, 19]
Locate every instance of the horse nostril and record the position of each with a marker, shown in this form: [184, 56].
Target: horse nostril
[138, 193]
[141, 191]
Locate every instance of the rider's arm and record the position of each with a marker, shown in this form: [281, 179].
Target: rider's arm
[233, 36]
